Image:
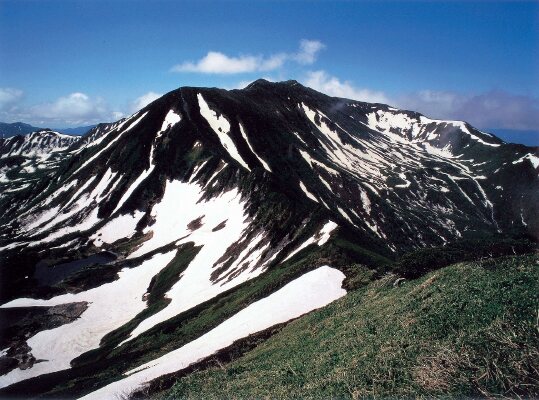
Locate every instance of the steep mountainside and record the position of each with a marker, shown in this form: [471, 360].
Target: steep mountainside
[180, 217]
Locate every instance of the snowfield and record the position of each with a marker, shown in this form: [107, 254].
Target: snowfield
[40, 144]
[195, 285]
[312, 290]
[110, 306]
[221, 127]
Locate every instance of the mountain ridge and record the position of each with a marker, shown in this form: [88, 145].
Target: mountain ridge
[11, 129]
[16, 128]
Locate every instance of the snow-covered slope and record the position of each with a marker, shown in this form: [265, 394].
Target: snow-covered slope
[27, 158]
[36, 144]
[61, 345]
[313, 290]
[212, 200]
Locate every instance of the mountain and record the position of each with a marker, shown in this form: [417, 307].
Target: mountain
[40, 143]
[15, 128]
[219, 214]
[27, 158]
[19, 128]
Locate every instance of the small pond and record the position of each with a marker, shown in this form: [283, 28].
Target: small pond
[49, 275]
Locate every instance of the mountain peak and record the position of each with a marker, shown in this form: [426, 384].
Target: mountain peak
[271, 84]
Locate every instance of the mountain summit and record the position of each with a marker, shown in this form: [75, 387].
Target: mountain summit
[206, 192]
[385, 172]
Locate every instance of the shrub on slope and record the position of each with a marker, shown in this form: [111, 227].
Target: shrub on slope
[417, 263]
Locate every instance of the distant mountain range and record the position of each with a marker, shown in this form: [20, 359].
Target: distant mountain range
[20, 128]
[79, 130]
[16, 128]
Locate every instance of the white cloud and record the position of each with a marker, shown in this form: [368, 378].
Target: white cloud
[116, 115]
[330, 85]
[494, 109]
[75, 109]
[143, 101]
[215, 62]
[74, 105]
[435, 104]
[218, 63]
[308, 51]
[9, 96]
[273, 62]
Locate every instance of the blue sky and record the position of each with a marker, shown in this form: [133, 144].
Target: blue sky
[67, 63]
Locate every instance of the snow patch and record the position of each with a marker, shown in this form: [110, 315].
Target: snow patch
[171, 119]
[58, 346]
[221, 127]
[312, 290]
[120, 227]
[320, 238]
[264, 164]
[533, 159]
[307, 193]
[365, 200]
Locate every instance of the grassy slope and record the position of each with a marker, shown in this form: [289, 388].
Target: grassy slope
[466, 330]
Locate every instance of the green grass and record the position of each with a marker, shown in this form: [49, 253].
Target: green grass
[168, 276]
[469, 329]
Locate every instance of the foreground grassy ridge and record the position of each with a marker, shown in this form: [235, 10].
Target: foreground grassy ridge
[469, 329]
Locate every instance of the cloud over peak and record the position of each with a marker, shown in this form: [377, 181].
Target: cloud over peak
[333, 86]
[309, 50]
[143, 101]
[218, 63]
[493, 109]
[215, 62]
